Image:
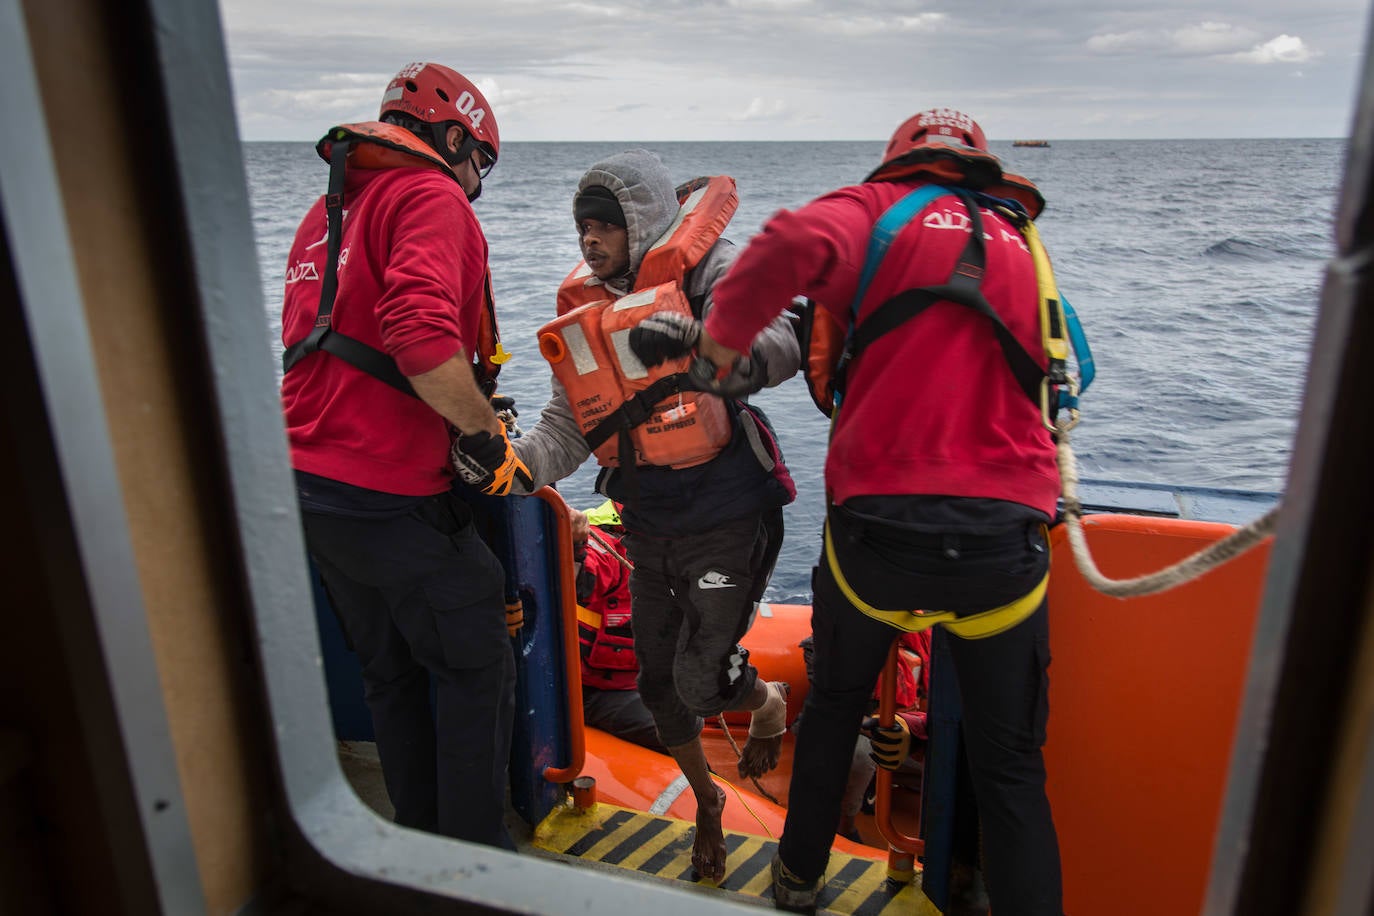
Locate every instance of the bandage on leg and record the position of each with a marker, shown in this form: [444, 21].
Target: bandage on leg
[770, 719]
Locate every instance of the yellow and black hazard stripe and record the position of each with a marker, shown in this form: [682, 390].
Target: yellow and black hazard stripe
[662, 847]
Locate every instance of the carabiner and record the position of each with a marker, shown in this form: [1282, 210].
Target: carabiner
[1047, 416]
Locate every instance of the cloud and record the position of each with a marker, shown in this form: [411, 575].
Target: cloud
[595, 9]
[1204, 39]
[785, 69]
[510, 101]
[769, 5]
[1217, 40]
[322, 102]
[1211, 38]
[850, 24]
[760, 110]
[1122, 42]
[1285, 49]
[921, 23]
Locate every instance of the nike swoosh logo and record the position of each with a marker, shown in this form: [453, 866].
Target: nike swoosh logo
[714, 579]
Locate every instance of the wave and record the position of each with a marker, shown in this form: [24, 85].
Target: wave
[1308, 245]
[1241, 248]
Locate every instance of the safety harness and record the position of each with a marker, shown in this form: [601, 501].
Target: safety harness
[1051, 389]
[336, 146]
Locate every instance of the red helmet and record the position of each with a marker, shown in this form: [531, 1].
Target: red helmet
[436, 94]
[943, 126]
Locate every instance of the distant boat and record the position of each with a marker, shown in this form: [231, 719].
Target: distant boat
[1045, 143]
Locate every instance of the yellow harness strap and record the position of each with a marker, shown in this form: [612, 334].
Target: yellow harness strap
[1053, 322]
[974, 626]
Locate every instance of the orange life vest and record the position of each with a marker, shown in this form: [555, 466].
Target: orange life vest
[379, 145]
[617, 402]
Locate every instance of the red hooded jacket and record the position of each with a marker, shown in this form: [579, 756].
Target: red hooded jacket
[412, 269]
[931, 408]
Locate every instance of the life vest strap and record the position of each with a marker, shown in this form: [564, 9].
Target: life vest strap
[636, 410]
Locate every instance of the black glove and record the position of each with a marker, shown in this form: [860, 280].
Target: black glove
[891, 744]
[664, 336]
[748, 375]
[489, 463]
[504, 408]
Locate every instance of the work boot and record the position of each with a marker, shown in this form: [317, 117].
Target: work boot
[968, 895]
[791, 893]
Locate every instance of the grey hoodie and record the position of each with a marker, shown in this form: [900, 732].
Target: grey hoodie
[647, 196]
[554, 447]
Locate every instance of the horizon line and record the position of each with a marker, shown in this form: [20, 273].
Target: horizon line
[884, 140]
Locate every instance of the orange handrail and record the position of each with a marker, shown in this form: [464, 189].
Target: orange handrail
[882, 803]
[572, 660]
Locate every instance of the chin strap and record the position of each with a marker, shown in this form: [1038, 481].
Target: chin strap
[438, 138]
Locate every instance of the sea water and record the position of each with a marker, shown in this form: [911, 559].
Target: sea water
[1195, 267]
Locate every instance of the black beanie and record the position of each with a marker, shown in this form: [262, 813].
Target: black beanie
[599, 203]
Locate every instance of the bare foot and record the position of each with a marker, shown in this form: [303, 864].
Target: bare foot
[708, 846]
[759, 756]
[762, 753]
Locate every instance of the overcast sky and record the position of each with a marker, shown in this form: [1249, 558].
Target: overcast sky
[813, 69]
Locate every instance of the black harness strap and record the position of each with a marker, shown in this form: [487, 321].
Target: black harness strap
[634, 411]
[963, 287]
[322, 336]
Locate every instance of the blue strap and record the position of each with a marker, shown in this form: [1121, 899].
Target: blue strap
[893, 220]
[1082, 354]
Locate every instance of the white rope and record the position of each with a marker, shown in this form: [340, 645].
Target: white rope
[609, 549]
[1187, 569]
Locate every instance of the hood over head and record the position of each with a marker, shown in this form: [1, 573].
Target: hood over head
[645, 192]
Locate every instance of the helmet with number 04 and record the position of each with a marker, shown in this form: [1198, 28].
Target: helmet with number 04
[436, 94]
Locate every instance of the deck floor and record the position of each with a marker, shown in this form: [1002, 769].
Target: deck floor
[721, 755]
[659, 848]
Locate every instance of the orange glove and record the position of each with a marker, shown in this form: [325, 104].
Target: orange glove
[489, 463]
[515, 616]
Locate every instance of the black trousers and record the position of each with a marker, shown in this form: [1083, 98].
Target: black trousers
[421, 599]
[1003, 682]
[693, 599]
[621, 713]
